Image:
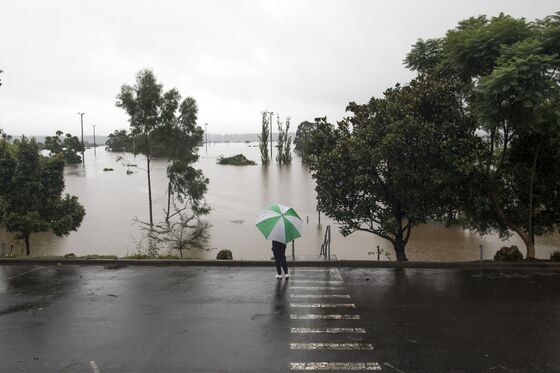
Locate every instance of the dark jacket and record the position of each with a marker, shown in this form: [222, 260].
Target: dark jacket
[278, 245]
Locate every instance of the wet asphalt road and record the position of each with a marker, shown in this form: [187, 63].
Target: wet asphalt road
[240, 319]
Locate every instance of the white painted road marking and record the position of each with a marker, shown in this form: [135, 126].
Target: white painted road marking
[324, 305]
[317, 282]
[325, 296]
[94, 367]
[326, 330]
[317, 287]
[24, 273]
[325, 317]
[335, 366]
[331, 346]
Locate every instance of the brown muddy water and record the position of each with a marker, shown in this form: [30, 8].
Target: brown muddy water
[114, 199]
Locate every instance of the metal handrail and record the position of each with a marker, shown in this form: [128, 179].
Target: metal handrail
[326, 245]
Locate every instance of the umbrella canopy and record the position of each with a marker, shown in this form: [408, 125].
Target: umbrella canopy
[279, 223]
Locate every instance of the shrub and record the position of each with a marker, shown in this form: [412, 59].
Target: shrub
[509, 254]
[224, 255]
[236, 160]
[555, 256]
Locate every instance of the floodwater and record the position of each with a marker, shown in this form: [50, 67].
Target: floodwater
[114, 199]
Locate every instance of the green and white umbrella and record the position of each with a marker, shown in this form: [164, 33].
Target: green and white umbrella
[279, 223]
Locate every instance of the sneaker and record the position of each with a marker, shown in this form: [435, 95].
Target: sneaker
[279, 277]
[286, 276]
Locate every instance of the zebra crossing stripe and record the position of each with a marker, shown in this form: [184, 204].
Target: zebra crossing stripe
[317, 287]
[326, 330]
[325, 317]
[335, 366]
[325, 296]
[331, 346]
[323, 305]
[318, 281]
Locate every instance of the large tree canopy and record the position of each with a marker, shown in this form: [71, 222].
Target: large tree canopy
[511, 87]
[396, 161]
[31, 188]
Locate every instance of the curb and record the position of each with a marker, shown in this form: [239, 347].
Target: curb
[303, 263]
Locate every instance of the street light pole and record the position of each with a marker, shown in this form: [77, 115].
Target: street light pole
[271, 159]
[206, 133]
[94, 145]
[82, 123]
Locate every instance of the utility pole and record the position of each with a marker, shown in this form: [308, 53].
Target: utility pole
[83, 148]
[94, 145]
[271, 159]
[206, 133]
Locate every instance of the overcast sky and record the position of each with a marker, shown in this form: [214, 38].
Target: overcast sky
[299, 58]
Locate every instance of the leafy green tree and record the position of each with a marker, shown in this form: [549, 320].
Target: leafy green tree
[120, 141]
[143, 102]
[284, 154]
[69, 147]
[320, 139]
[395, 163]
[31, 193]
[263, 138]
[165, 125]
[302, 138]
[182, 136]
[509, 69]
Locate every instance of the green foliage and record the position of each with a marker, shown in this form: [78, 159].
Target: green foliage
[284, 153]
[69, 147]
[508, 254]
[555, 256]
[31, 192]
[236, 160]
[224, 255]
[396, 162]
[314, 139]
[511, 89]
[164, 125]
[120, 141]
[263, 138]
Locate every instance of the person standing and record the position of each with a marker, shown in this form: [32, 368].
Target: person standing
[279, 251]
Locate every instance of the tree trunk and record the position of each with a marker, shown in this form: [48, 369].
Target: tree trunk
[168, 201]
[149, 181]
[399, 246]
[27, 246]
[531, 247]
[399, 243]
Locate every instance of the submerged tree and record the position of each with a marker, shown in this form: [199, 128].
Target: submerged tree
[143, 103]
[120, 141]
[284, 153]
[31, 193]
[263, 138]
[388, 169]
[69, 147]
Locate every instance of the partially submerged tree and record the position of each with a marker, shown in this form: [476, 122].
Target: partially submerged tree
[284, 153]
[31, 193]
[263, 138]
[69, 146]
[143, 103]
[120, 141]
[388, 169]
[511, 87]
[167, 126]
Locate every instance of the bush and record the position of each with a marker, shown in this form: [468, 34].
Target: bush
[236, 160]
[224, 255]
[555, 256]
[509, 254]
